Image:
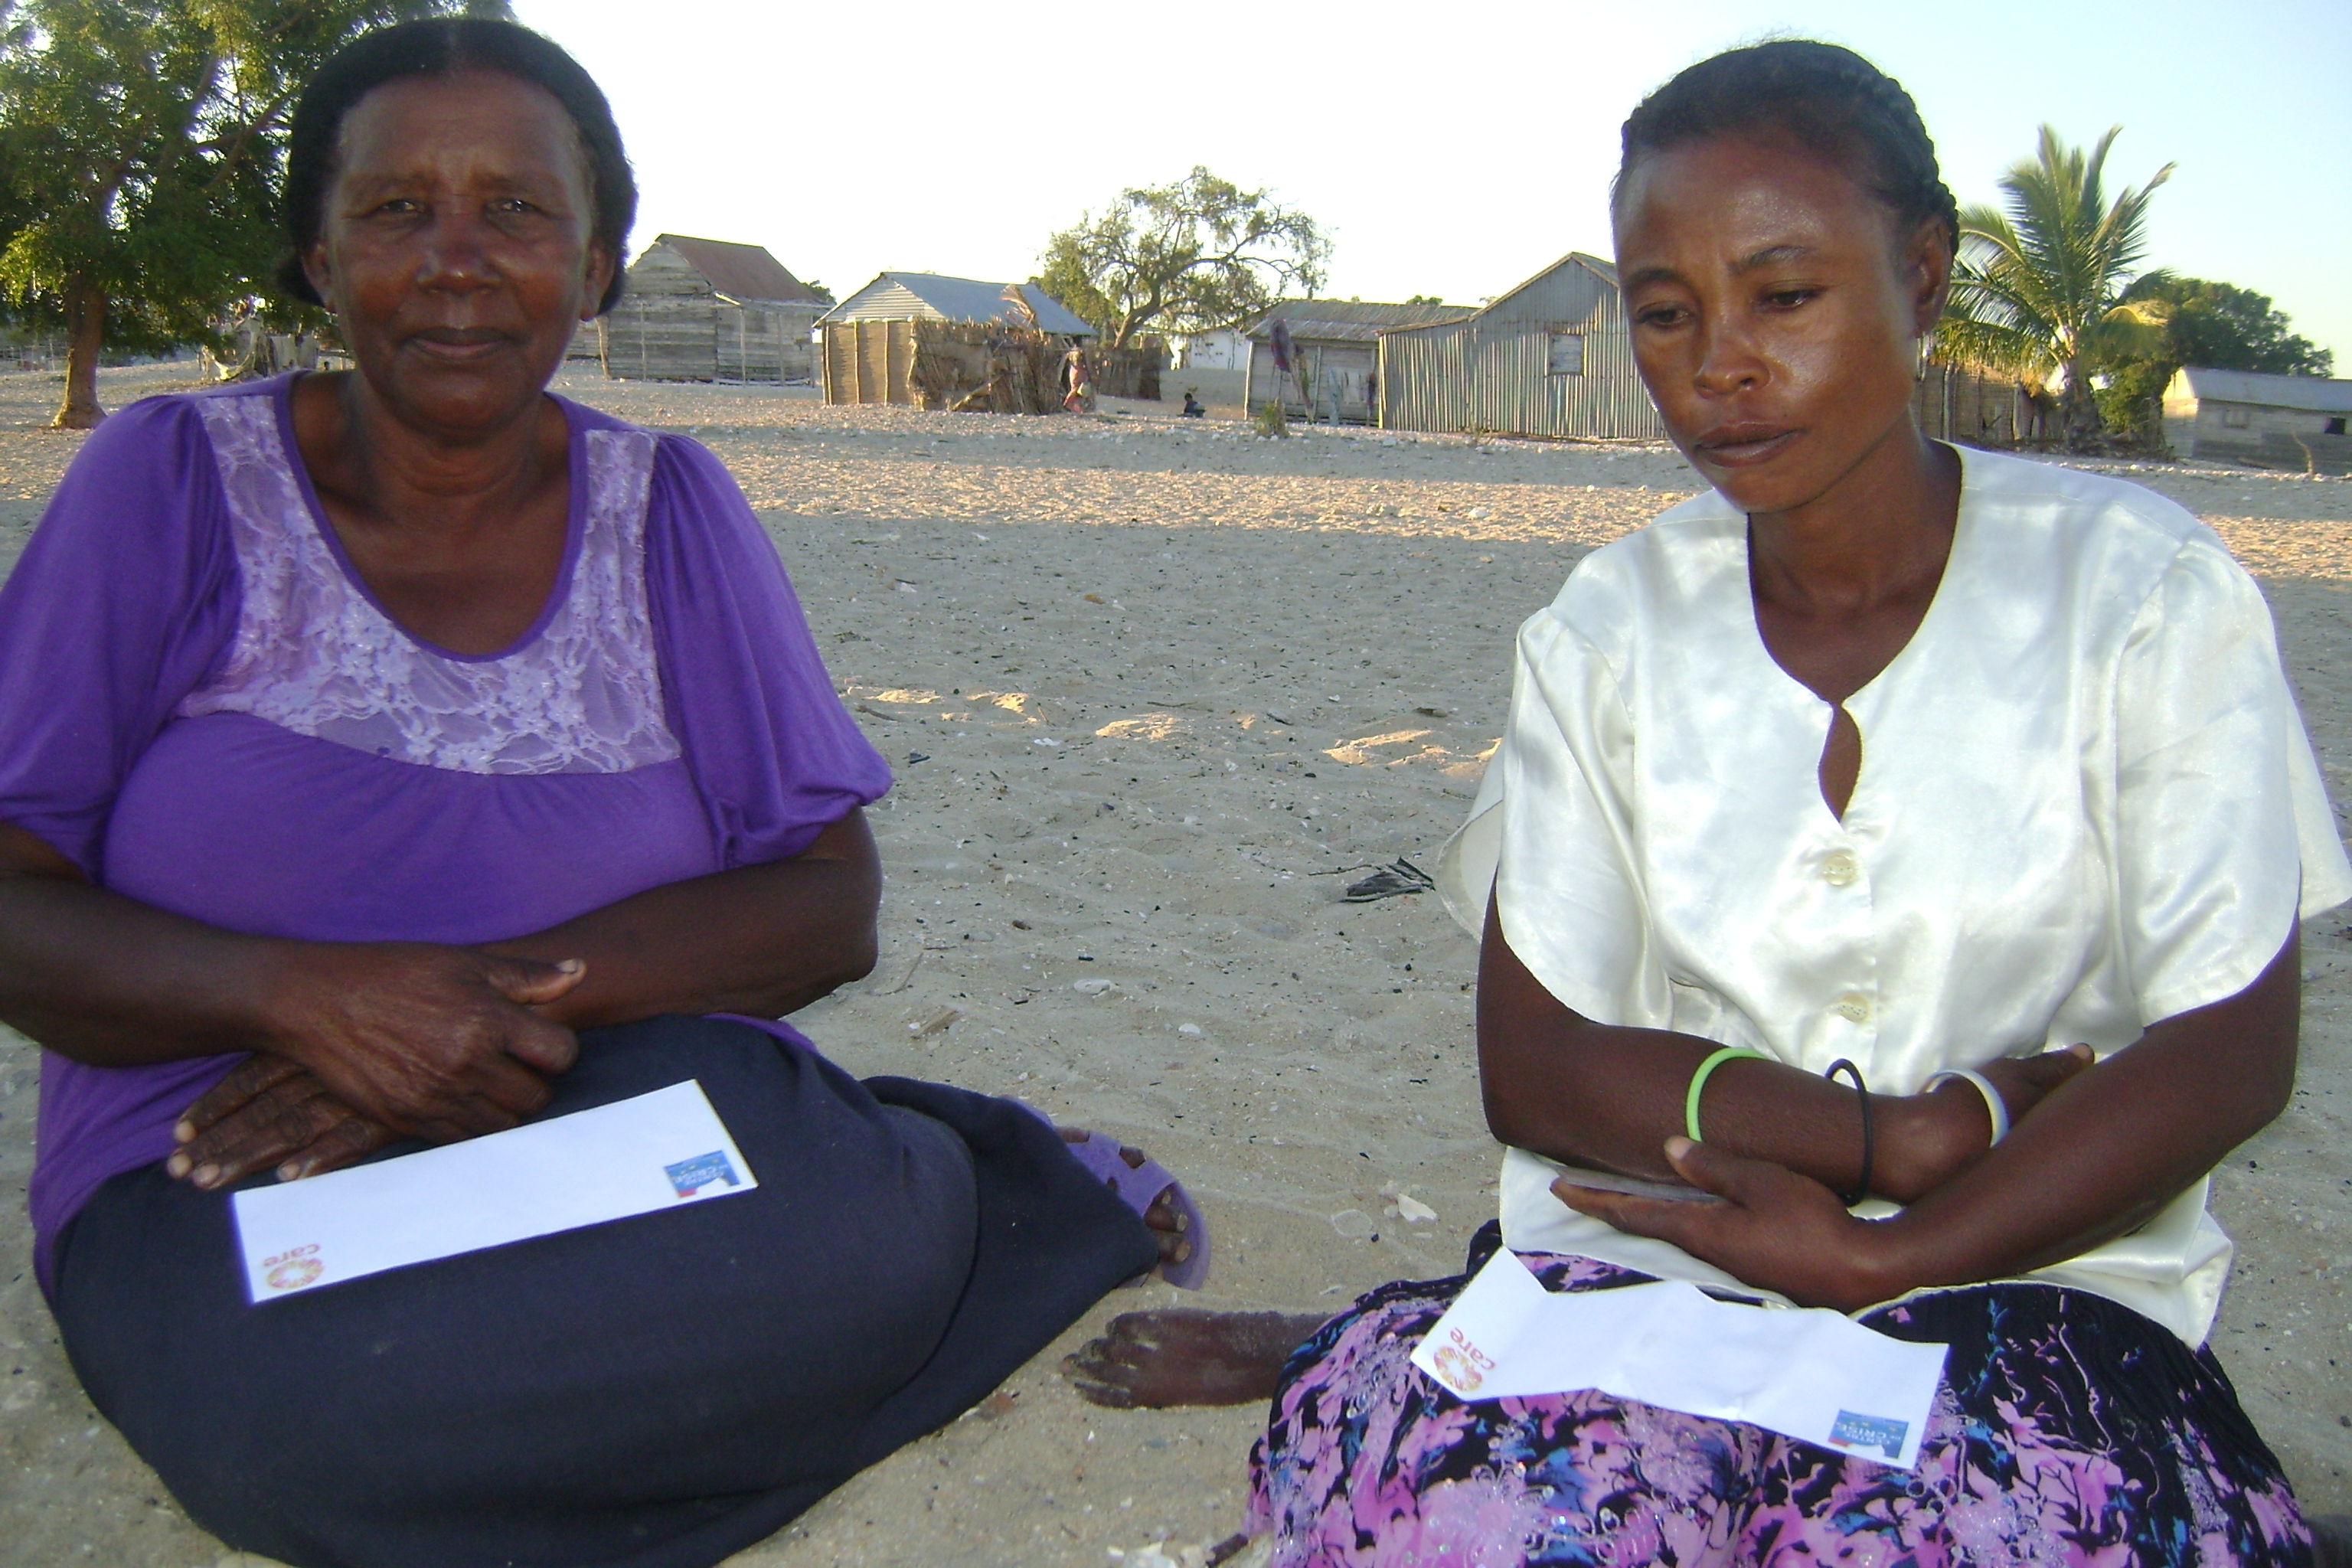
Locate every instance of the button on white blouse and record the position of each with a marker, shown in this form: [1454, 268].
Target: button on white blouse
[2086, 803]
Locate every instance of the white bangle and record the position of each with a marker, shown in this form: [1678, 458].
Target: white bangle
[1994, 1105]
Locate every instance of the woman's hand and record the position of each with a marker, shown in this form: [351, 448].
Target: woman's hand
[1781, 1231]
[764, 940]
[1928, 1139]
[2025, 1082]
[269, 1109]
[1774, 1229]
[1607, 1095]
[425, 1041]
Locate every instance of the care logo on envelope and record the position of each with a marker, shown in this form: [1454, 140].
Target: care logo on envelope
[688, 1177]
[658, 1151]
[1812, 1374]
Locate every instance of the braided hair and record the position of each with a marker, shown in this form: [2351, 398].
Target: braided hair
[441, 46]
[1830, 99]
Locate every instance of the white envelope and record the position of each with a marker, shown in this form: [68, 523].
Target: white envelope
[1808, 1373]
[658, 1151]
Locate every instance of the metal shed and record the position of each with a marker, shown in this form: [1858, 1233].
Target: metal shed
[710, 309]
[2275, 421]
[1553, 357]
[869, 338]
[1332, 347]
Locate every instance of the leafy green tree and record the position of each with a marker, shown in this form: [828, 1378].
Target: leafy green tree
[2219, 326]
[141, 143]
[1185, 257]
[2041, 290]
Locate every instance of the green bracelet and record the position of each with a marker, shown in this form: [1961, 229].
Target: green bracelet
[1698, 1081]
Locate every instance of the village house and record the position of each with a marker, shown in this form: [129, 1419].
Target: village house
[710, 309]
[1554, 357]
[1551, 357]
[1224, 348]
[869, 338]
[1322, 357]
[2275, 421]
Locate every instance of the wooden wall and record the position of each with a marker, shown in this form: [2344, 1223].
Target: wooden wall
[1499, 371]
[672, 326]
[1353, 368]
[869, 362]
[764, 341]
[665, 326]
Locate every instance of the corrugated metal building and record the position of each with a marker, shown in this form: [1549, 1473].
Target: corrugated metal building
[710, 309]
[1334, 352]
[869, 338]
[2276, 421]
[1553, 357]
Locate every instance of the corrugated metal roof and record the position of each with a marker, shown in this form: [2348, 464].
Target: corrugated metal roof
[1350, 321]
[886, 299]
[1500, 302]
[741, 271]
[2315, 394]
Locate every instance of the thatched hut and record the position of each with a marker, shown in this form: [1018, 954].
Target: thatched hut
[962, 327]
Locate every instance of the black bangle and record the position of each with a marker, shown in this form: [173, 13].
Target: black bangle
[1862, 1093]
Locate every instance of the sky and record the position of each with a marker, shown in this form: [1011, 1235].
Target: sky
[1450, 150]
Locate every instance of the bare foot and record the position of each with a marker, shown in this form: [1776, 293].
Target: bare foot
[1167, 1221]
[1185, 1355]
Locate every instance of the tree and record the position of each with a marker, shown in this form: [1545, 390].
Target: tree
[140, 141]
[2041, 291]
[2216, 325]
[1197, 255]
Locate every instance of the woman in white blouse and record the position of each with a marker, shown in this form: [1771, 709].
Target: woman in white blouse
[1876, 756]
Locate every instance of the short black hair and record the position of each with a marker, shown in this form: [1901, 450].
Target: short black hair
[1830, 99]
[439, 45]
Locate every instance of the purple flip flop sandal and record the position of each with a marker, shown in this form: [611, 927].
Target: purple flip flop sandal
[1139, 1186]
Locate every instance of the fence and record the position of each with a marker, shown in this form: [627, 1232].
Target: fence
[973, 366]
[1956, 403]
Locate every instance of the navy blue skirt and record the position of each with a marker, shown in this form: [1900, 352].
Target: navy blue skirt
[653, 1393]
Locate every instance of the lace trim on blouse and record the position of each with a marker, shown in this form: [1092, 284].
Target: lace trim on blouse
[314, 654]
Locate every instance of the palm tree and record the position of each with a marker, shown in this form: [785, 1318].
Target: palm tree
[2039, 290]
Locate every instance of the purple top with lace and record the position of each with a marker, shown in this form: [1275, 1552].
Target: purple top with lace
[205, 708]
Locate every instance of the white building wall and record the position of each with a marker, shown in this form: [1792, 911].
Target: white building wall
[1223, 349]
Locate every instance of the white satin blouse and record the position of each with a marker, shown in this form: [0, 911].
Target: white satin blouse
[2086, 803]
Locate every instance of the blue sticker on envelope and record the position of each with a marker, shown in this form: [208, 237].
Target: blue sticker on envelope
[1852, 1431]
[691, 1176]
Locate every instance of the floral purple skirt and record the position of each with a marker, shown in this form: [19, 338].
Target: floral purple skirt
[2069, 1430]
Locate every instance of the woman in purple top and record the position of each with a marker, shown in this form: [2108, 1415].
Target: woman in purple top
[401, 755]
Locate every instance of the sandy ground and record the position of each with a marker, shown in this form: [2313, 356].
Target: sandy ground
[1167, 682]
